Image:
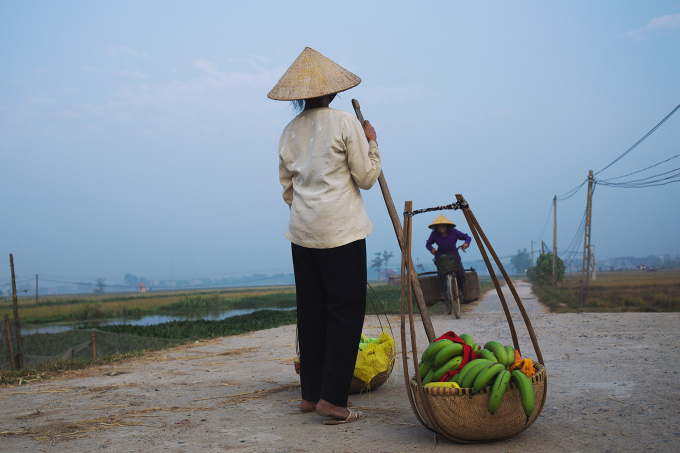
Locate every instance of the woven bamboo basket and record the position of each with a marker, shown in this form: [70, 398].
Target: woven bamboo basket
[457, 413]
[465, 416]
[358, 385]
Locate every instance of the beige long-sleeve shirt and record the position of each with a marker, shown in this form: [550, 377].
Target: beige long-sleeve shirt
[324, 159]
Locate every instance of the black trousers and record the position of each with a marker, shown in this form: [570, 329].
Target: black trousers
[331, 303]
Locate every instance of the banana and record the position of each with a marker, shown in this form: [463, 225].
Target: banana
[471, 375]
[468, 366]
[363, 338]
[526, 392]
[433, 349]
[447, 354]
[486, 376]
[499, 388]
[362, 345]
[499, 351]
[428, 377]
[425, 368]
[467, 339]
[451, 365]
[476, 348]
[511, 355]
[445, 385]
[485, 353]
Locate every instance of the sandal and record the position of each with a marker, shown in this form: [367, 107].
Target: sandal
[354, 415]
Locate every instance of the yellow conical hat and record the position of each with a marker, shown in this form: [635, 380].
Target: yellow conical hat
[441, 220]
[312, 75]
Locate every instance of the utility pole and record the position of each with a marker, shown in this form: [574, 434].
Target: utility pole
[592, 262]
[15, 305]
[532, 254]
[554, 277]
[585, 269]
[36, 289]
[542, 247]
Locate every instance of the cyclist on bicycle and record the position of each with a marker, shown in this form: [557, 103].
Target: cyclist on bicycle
[446, 258]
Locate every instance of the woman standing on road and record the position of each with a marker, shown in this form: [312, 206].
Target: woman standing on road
[325, 157]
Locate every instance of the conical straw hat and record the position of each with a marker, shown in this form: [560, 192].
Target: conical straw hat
[441, 220]
[312, 75]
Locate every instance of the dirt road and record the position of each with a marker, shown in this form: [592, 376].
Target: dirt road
[613, 386]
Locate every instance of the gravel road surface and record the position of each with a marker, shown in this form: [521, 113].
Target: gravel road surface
[612, 387]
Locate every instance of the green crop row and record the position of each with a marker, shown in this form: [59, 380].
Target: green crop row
[234, 325]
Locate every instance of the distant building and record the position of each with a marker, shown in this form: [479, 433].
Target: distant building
[141, 287]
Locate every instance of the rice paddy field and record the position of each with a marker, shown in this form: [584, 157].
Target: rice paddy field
[625, 291]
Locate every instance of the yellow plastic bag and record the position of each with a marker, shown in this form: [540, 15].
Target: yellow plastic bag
[375, 358]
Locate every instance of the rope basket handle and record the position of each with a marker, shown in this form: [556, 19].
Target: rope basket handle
[477, 232]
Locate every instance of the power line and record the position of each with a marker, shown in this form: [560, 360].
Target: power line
[546, 222]
[640, 141]
[640, 171]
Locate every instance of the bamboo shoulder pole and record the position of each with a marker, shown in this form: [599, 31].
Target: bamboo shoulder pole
[398, 231]
[15, 303]
[9, 343]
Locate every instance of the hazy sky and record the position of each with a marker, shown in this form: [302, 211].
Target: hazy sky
[136, 134]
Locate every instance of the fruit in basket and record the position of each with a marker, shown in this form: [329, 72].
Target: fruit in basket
[467, 339]
[363, 338]
[425, 368]
[444, 385]
[434, 348]
[469, 379]
[468, 366]
[451, 365]
[498, 391]
[428, 377]
[511, 355]
[485, 353]
[362, 346]
[486, 376]
[499, 351]
[447, 353]
[526, 392]
[477, 348]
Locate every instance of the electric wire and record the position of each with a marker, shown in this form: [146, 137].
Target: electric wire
[640, 141]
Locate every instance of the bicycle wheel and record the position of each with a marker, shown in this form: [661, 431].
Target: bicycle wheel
[452, 296]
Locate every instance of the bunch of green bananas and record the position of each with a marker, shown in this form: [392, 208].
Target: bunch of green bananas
[493, 368]
[441, 357]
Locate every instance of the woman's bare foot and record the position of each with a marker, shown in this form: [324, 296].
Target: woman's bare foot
[326, 409]
[307, 406]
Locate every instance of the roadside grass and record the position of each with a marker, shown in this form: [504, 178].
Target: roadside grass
[47, 370]
[631, 291]
[181, 331]
[98, 307]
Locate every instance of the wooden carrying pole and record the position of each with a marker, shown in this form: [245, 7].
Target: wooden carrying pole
[15, 304]
[396, 223]
[483, 243]
[9, 343]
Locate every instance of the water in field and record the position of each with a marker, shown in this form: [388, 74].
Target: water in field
[214, 315]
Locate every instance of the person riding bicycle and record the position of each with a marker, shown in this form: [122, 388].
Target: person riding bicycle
[446, 258]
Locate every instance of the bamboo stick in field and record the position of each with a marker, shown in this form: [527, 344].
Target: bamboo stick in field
[20, 354]
[9, 342]
[94, 345]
